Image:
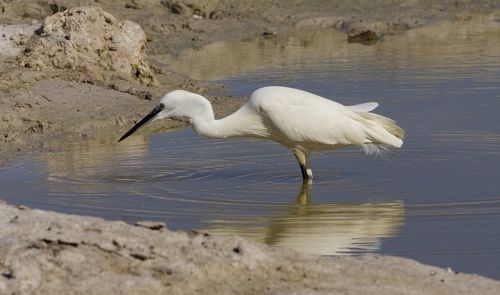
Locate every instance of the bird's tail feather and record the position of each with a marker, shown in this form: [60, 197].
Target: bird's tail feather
[384, 133]
[374, 149]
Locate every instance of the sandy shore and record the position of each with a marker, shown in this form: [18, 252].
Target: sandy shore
[50, 94]
[50, 253]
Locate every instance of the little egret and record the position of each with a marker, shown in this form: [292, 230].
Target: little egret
[299, 120]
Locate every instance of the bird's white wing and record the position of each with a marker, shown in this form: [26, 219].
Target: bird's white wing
[364, 107]
[301, 117]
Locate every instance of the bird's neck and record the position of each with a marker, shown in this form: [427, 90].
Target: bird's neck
[233, 125]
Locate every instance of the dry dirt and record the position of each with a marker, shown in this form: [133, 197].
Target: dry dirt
[68, 78]
[51, 253]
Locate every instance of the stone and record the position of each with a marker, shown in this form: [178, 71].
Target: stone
[202, 8]
[365, 37]
[93, 41]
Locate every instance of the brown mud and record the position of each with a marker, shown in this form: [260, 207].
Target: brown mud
[51, 61]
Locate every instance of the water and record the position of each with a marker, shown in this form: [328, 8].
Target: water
[437, 200]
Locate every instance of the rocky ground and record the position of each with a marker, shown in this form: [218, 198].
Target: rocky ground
[51, 253]
[85, 69]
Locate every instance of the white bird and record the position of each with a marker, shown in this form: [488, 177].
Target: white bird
[297, 119]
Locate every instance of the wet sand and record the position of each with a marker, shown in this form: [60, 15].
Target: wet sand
[43, 108]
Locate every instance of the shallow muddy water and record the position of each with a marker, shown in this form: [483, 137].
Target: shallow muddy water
[436, 200]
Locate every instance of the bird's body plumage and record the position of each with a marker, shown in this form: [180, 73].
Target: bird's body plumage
[296, 119]
[299, 118]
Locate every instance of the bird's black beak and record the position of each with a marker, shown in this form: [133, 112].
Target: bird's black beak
[144, 120]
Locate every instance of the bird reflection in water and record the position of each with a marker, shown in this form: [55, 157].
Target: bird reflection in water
[304, 225]
[324, 229]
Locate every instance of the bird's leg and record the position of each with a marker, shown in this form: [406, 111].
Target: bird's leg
[302, 158]
[303, 169]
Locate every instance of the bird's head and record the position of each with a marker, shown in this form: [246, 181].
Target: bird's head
[175, 104]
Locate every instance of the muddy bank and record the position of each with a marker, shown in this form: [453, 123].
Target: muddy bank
[48, 253]
[45, 48]
[51, 112]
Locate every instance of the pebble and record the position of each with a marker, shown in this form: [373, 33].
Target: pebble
[269, 33]
[365, 37]
[450, 270]
[152, 225]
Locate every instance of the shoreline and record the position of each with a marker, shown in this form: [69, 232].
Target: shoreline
[44, 252]
[36, 117]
